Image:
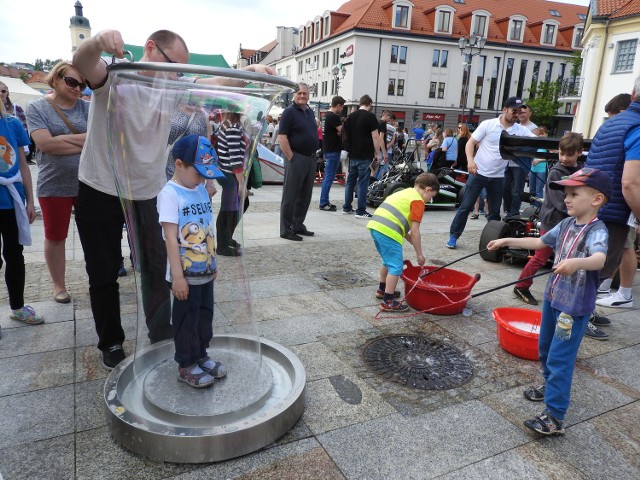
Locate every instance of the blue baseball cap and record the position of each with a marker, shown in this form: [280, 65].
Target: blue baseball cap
[198, 151]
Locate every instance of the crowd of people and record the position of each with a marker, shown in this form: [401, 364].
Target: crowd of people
[586, 213]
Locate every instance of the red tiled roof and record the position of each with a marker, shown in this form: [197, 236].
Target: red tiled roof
[246, 53]
[608, 7]
[630, 9]
[37, 77]
[269, 46]
[377, 15]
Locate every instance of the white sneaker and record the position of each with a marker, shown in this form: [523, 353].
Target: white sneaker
[605, 292]
[615, 300]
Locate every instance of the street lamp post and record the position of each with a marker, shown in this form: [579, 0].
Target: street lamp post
[469, 48]
[338, 72]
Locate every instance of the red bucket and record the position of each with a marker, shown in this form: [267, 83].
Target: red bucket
[518, 331]
[443, 293]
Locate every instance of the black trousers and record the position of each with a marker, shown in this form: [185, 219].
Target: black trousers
[99, 218]
[297, 188]
[14, 272]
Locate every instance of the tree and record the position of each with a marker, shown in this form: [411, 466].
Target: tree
[543, 101]
[45, 65]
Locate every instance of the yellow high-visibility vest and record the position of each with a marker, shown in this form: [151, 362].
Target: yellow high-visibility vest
[391, 218]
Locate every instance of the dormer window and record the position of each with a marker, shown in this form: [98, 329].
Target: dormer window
[308, 29]
[317, 30]
[549, 32]
[516, 29]
[555, 13]
[402, 16]
[301, 36]
[327, 25]
[479, 24]
[444, 20]
[402, 10]
[578, 33]
[582, 16]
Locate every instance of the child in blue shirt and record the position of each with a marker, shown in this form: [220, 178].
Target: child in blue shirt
[580, 242]
[186, 216]
[17, 212]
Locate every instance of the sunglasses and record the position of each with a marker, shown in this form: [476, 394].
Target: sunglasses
[166, 57]
[73, 83]
[4, 91]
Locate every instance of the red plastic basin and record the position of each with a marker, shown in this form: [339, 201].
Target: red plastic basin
[518, 331]
[444, 292]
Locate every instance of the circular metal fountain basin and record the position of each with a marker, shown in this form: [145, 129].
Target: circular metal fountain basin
[151, 413]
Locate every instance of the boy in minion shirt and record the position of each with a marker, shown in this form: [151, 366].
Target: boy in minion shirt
[186, 216]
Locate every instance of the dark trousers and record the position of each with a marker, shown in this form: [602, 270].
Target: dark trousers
[297, 188]
[514, 180]
[14, 272]
[618, 233]
[193, 324]
[474, 186]
[229, 214]
[99, 217]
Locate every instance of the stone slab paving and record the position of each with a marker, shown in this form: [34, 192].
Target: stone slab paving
[316, 298]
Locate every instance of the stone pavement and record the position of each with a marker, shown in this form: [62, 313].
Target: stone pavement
[316, 298]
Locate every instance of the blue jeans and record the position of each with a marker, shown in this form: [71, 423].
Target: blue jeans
[537, 181]
[558, 358]
[384, 167]
[331, 162]
[358, 172]
[514, 179]
[192, 321]
[475, 184]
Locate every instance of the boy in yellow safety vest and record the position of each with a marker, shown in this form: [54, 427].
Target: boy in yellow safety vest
[397, 218]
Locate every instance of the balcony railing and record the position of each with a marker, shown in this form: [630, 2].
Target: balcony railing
[571, 87]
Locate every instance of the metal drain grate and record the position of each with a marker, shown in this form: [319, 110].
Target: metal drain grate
[417, 362]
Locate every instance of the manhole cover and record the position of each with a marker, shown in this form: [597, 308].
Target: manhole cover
[417, 362]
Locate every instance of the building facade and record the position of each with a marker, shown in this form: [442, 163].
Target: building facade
[609, 61]
[406, 55]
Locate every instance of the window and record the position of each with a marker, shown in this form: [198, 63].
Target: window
[394, 53]
[534, 78]
[459, 1]
[578, 33]
[523, 73]
[325, 59]
[444, 21]
[493, 86]
[308, 30]
[548, 36]
[432, 89]
[300, 66]
[626, 56]
[403, 55]
[334, 87]
[549, 72]
[480, 25]
[327, 26]
[324, 88]
[441, 89]
[288, 74]
[582, 16]
[392, 87]
[317, 30]
[482, 63]
[563, 68]
[336, 56]
[444, 56]
[402, 17]
[400, 90]
[507, 79]
[555, 13]
[436, 58]
[515, 32]
[279, 72]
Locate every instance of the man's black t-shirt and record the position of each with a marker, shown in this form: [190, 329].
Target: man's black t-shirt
[361, 124]
[331, 141]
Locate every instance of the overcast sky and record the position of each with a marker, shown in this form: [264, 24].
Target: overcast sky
[40, 28]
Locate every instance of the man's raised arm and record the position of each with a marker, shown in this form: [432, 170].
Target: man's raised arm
[87, 57]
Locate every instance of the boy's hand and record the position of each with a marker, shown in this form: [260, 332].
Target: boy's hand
[496, 244]
[567, 266]
[211, 189]
[421, 260]
[180, 288]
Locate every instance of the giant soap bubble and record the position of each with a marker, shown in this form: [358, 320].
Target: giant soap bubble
[261, 398]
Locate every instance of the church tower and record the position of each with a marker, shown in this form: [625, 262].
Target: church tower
[80, 28]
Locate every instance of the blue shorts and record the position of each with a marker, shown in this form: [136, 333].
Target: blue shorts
[390, 251]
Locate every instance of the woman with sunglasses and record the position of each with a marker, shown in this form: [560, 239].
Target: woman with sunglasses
[58, 125]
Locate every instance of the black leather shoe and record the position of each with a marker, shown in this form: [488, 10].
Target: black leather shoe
[291, 236]
[305, 232]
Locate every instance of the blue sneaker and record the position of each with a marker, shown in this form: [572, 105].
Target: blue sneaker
[452, 242]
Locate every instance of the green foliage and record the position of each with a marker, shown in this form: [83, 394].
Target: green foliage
[576, 63]
[543, 100]
[45, 65]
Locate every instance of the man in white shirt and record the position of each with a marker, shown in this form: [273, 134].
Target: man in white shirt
[486, 168]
